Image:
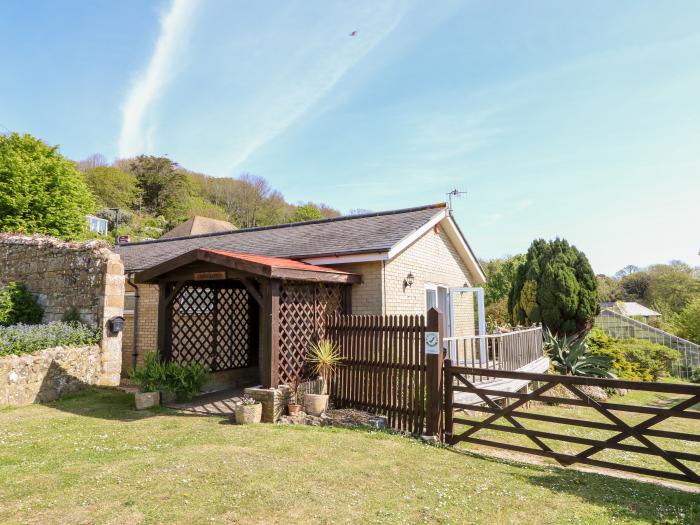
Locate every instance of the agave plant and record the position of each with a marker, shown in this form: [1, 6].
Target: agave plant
[570, 356]
[324, 358]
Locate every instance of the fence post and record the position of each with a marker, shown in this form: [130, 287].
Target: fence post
[447, 378]
[433, 373]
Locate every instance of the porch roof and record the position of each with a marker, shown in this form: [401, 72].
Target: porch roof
[259, 265]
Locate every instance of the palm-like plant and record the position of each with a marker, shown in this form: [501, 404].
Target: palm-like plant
[324, 358]
[570, 356]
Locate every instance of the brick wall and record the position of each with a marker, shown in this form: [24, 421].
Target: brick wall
[366, 297]
[148, 325]
[65, 275]
[431, 259]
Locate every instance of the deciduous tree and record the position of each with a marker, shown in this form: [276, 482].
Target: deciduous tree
[40, 190]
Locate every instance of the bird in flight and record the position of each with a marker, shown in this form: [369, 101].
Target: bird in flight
[354, 33]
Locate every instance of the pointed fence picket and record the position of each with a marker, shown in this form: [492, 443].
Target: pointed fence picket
[383, 367]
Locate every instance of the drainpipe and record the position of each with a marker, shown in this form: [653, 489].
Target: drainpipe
[135, 337]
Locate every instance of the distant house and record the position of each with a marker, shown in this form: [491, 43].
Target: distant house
[197, 226]
[97, 224]
[246, 302]
[631, 309]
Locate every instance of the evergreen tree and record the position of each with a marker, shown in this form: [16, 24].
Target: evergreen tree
[555, 286]
[40, 190]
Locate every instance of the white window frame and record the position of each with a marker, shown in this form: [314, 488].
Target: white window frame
[128, 294]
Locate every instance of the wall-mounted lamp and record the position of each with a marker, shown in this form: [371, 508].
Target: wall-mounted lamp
[408, 281]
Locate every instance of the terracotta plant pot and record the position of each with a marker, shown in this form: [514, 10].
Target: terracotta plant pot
[315, 404]
[144, 400]
[293, 408]
[246, 414]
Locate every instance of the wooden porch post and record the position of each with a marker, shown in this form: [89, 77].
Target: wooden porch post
[270, 336]
[433, 373]
[163, 321]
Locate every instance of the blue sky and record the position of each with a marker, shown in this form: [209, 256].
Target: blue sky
[580, 120]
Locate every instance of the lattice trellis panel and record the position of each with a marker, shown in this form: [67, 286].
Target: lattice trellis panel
[303, 310]
[211, 326]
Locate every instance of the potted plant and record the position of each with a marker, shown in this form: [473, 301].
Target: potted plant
[324, 357]
[248, 411]
[293, 407]
[184, 381]
[149, 378]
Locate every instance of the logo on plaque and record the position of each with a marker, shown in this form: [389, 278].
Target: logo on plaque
[431, 342]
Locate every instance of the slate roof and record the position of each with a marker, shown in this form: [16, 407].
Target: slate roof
[353, 234]
[198, 225]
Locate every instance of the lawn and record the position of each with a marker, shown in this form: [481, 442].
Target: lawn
[90, 458]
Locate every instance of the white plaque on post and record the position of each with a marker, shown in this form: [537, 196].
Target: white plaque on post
[431, 342]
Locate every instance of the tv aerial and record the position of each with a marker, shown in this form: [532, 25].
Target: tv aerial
[456, 194]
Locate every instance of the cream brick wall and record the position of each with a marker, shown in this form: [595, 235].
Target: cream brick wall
[366, 297]
[148, 325]
[431, 259]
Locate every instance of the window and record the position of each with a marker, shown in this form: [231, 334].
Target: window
[98, 225]
[129, 302]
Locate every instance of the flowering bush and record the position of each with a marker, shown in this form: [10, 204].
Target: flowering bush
[24, 339]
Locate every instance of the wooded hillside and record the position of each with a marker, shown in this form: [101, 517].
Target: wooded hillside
[155, 193]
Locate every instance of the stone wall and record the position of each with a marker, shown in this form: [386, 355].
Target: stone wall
[64, 275]
[48, 374]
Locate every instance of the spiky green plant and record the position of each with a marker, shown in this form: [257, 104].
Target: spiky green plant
[570, 356]
[324, 358]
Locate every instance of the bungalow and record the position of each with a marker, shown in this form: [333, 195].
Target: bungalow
[246, 302]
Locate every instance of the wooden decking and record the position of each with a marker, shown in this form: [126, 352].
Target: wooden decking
[540, 366]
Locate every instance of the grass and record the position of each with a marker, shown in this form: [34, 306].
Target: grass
[91, 458]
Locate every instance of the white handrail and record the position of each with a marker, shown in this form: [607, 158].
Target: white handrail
[504, 334]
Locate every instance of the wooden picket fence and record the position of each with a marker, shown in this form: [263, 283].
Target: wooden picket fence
[384, 367]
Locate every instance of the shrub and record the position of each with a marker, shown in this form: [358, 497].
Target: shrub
[72, 315]
[555, 286]
[695, 374]
[633, 359]
[653, 359]
[25, 339]
[570, 356]
[151, 375]
[18, 305]
[154, 374]
[185, 381]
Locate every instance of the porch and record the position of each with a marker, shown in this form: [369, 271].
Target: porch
[247, 318]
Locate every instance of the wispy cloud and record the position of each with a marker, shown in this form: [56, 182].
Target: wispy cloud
[523, 204]
[314, 65]
[491, 218]
[136, 132]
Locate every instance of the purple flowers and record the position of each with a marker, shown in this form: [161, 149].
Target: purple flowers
[24, 339]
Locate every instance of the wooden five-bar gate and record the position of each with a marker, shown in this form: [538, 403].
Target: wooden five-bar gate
[507, 419]
[386, 370]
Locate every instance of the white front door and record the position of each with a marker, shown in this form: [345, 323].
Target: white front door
[437, 296]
